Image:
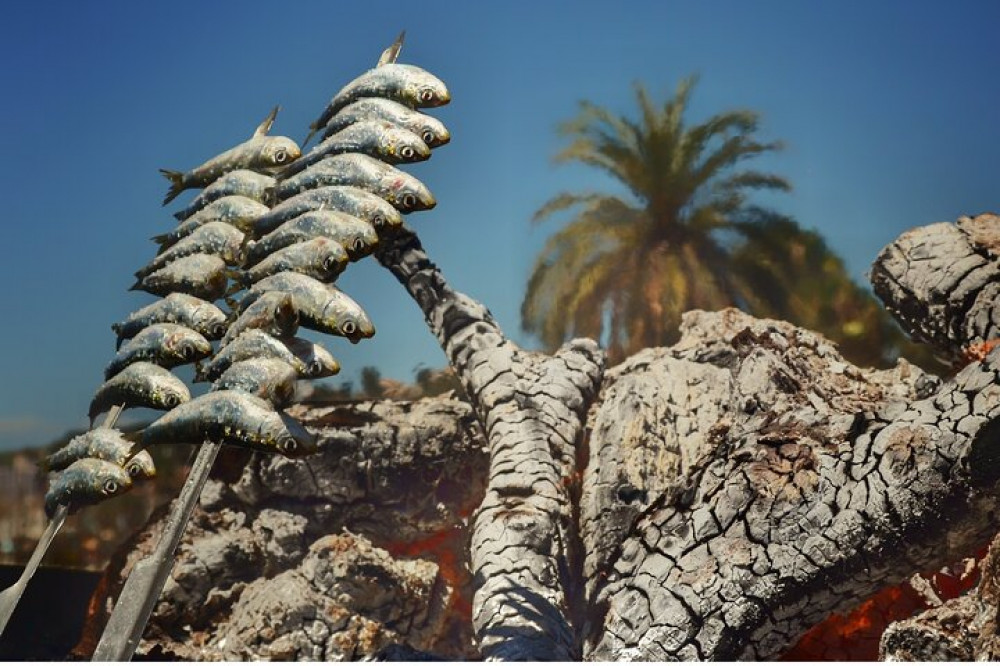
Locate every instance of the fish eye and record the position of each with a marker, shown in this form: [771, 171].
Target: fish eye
[408, 201]
[287, 445]
[315, 367]
[110, 487]
[349, 328]
[134, 470]
[406, 152]
[427, 136]
[378, 220]
[171, 401]
[426, 95]
[188, 351]
[280, 155]
[330, 263]
[218, 330]
[359, 244]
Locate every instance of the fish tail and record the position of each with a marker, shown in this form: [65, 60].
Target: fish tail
[270, 196]
[161, 239]
[200, 374]
[231, 302]
[137, 286]
[239, 280]
[176, 179]
[118, 342]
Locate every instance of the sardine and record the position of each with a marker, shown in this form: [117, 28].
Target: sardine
[356, 236]
[190, 311]
[236, 211]
[351, 200]
[241, 182]
[141, 467]
[321, 307]
[273, 313]
[259, 152]
[431, 130]
[377, 138]
[397, 187]
[406, 84]
[251, 343]
[235, 418]
[267, 378]
[201, 275]
[141, 384]
[318, 361]
[103, 443]
[216, 238]
[86, 481]
[320, 258]
[166, 345]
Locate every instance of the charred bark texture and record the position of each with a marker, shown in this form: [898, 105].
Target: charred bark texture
[532, 408]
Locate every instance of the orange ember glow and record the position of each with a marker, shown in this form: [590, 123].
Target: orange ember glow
[445, 548]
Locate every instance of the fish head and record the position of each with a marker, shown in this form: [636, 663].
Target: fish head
[189, 345]
[343, 315]
[331, 256]
[409, 194]
[381, 214]
[87, 481]
[170, 393]
[210, 321]
[291, 439]
[278, 151]
[433, 132]
[140, 467]
[423, 89]
[362, 242]
[397, 144]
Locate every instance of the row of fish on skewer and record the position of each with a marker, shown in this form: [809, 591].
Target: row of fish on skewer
[269, 234]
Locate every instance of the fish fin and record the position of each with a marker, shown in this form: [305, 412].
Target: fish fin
[389, 56]
[238, 277]
[312, 132]
[231, 302]
[176, 179]
[265, 126]
[199, 372]
[161, 239]
[137, 286]
[118, 343]
[270, 196]
[245, 247]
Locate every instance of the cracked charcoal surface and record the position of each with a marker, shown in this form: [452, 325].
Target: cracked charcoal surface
[532, 407]
[258, 558]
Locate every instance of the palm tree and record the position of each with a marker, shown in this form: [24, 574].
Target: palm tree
[685, 236]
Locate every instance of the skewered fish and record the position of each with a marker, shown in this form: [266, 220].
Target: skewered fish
[141, 384]
[320, 258]
[141, 467]
[232, 417]
[318, 361]
[430, 129]
[202, 275]
[252, 343]
[351, 200]
[86, 481]
[397, 187]
[354, 235]
[258, 152]
[267, 378]
[241, 182]
[321, 307]
[166, 345]
[218, 238]
[377, 138]
[190, 311]
[102, 443]
[236, 211]
[274, 313]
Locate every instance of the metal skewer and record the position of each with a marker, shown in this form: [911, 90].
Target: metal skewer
[10, 597]
[142, 589]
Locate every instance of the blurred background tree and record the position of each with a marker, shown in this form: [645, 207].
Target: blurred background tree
[687, 236]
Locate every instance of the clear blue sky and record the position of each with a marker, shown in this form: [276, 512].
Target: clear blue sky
[889, 111]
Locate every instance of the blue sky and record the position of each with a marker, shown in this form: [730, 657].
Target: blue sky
[888, 111]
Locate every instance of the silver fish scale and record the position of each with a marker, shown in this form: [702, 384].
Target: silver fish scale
[320, 258]
[273, 313]
[252, 343]
[218, 238]
[232, 417]
[356, 236]
[237, 211]
[430, 129]
[366, 173]
[321, 307]
[268, 378]
[406, 84]
[141, 384]
[183, 309]
[202, 275]
[383, 140]
[254, 154]
[242, 182]
[102, 443]
[86, 482]
[344, 198]
[166, 345]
